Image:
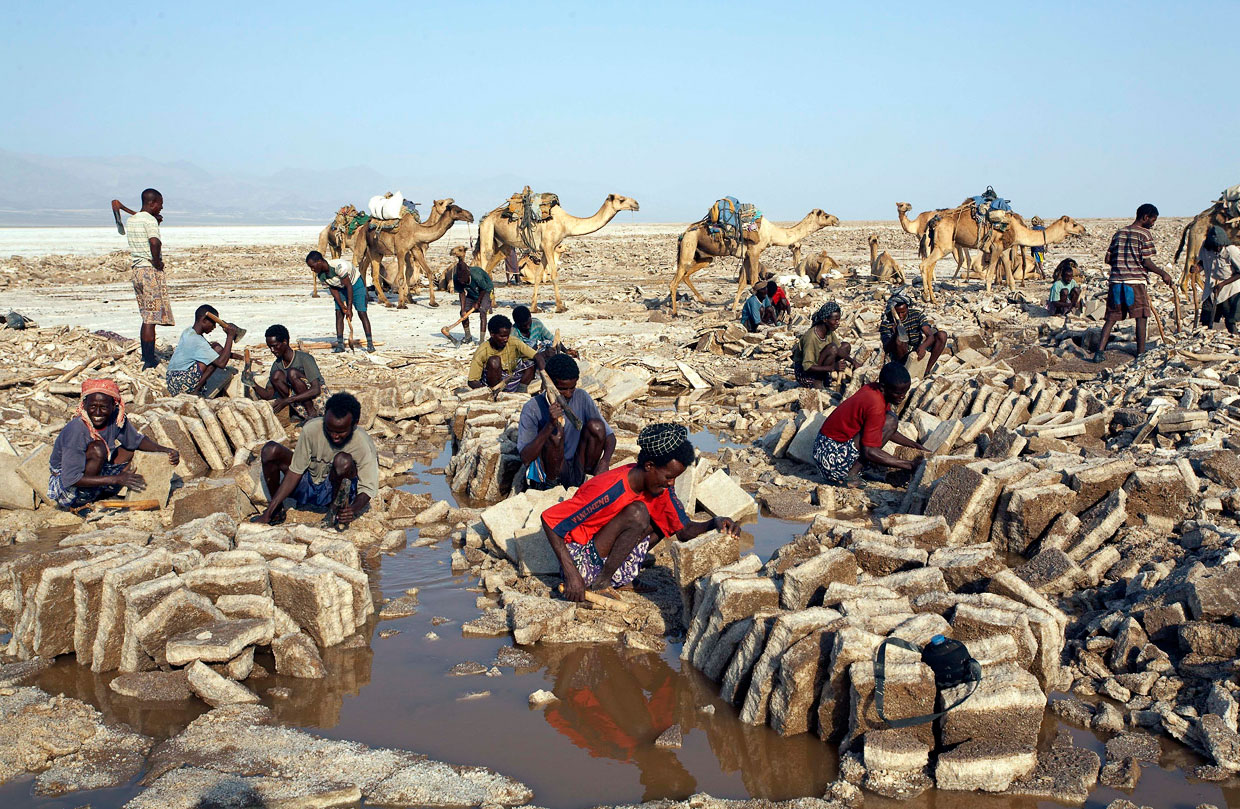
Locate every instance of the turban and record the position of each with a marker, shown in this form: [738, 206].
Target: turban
[108, 388]
[825, 311]
[661, 442]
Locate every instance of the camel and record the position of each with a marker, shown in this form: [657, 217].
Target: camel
[959, 228]
[918, 227]
[816, 268]
[333, 237]
[697, 248]
[407, 243]
[1194, 235]
[883, 267]
[497, 236]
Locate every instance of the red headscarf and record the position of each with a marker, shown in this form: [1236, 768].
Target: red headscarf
[105, 386]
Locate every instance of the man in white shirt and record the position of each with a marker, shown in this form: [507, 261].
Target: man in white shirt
[147, 263]
[345, 285]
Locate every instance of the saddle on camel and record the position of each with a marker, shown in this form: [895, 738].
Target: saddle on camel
[528, 209]
[733, 222]
[989, 210]
[386, 211]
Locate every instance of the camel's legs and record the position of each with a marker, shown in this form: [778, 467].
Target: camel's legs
[552, 268]
[688, 279]
[421, 266]
[927, 273]
[748, 276]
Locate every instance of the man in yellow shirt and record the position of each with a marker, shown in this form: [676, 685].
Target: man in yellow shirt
[503, 358]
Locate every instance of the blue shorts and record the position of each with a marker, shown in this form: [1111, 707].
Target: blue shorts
[359, 296]
[318, 495]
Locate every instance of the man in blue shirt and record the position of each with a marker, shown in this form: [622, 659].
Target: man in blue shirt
[195, 357]
[757, 309]
[552, 449]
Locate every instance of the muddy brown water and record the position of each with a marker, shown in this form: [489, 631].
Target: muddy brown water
[594, 746]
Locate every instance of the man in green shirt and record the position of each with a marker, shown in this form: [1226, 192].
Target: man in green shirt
[331, 453]
[820, 352]
[503, 358]
[295, 380]
[476, 290]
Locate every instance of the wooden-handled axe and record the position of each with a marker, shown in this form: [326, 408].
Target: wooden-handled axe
[553, 395]
[239, 332]
[446, 330]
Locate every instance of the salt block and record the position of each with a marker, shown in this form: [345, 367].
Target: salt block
[802, 446]
[15, 492]
[157, 472]
[723, 497]
[35, 471]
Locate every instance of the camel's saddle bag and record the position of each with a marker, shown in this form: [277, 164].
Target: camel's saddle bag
[539, 203]
[407, 207]
[990, 207]
[734, 220]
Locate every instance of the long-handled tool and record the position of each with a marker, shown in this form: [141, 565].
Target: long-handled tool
[338, 502]
[238, 332]
[592, 597]
[446, 331]
[128, 505]
[116, 214]
[349, 320]
[247, 375]
[553, 396]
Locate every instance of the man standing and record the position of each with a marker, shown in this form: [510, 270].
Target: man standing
[553, 450]
[1131, 257]
[344, 283]
[295, 380]
[331, 452]
[147, 263]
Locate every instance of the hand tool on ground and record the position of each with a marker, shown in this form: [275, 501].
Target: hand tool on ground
[349, 319]
[129, 505]
[1175, 297]
[446, 330]
[239, 332]
[247, 375]
[602, 601]
[116, 214]
[553, 395]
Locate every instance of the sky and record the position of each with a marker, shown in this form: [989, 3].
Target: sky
[1082, 108]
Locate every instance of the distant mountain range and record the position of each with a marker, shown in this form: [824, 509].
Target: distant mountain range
[37, 190]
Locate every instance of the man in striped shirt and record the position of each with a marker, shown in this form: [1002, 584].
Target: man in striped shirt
[905, 330]
[1131, 259]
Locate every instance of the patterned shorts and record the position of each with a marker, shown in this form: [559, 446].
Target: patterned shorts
[152, 292]
[810, 379]
[181, 381]
[835, 459]
[73, 497]
[589, 564]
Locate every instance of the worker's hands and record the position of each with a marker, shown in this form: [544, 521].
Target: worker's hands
[346, 514]
[601, 467]
[231, 330]
[174, 457]
[725, 525]
[574, 585]
[261, 519]
[557, 412]
[130, 479]
[158, 264]
[921, 351]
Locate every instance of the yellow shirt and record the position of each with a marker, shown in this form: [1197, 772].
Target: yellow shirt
[514, 350]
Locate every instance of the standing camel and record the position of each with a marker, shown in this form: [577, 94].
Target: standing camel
[1194, 235]
[408, 245]
[366, 258]
[332, 238]
[918, 227]
[697, 248]
[497, 236]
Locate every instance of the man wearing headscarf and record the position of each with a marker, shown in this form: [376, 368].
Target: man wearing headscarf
[1220, 262]
[857, 430]
[904, 330]
[601, 535]
[820, 352]
[91, 455]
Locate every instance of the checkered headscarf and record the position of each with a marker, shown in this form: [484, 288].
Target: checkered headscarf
[825, 311]
[661, 440]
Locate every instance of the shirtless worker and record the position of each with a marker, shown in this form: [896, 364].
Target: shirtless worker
[196, 358]
[331, 452]
[91, 455]
[503, 358]
[601, 535]
[554, 451]
[861, 426]
[344, 282]
[147, 262]
[295, 379]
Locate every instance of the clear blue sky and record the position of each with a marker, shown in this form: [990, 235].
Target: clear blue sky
[1081, 108]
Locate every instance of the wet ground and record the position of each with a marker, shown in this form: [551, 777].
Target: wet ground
[594, 746]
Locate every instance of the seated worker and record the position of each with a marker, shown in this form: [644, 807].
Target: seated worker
[196, 358]
[757, 309]
[91, 455]
[602, 533]
[295, 379]
[779, 301]
[1065, 296]
[553, 450]
[531, 331]
[904, 329]
[476, 290]
[861, 426]
[503, 358]
[820, 352]
[331, 452]
[343, 281]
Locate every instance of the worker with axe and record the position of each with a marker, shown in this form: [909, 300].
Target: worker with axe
[562, 436]
[502, 362]
[1131, 258]
[348, 290]
[476, 291]
[198, 365]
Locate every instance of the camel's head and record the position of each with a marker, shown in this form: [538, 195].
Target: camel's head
[461, 251]
[440, 205]
[826, 262]
[873, 239]
[346, 213]
[459, 214]
[903, 207]
[824, 219]
[622, 203]
[1072, 227]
